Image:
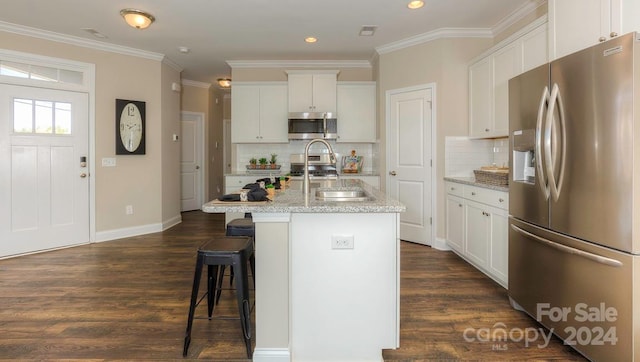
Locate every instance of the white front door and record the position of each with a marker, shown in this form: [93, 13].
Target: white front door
[409, 178]
[44, 173]
[191, 171]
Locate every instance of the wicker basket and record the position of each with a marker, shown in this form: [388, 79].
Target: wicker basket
[492, 177]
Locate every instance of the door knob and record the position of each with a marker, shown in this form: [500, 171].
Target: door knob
[83, 175]
[197, 167]
[392, 173]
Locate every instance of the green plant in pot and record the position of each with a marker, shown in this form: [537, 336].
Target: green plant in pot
[252, 162]
[263, 162]
[274, 160]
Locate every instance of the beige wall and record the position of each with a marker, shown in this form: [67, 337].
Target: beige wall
[211, 102]
[170, 162]
[136, 180]
[215, 136]
[443, 62]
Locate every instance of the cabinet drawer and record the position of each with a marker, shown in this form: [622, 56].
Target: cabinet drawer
[455, 189]
[494, 198]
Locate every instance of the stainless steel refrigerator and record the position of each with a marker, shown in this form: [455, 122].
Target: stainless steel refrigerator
[574, 198]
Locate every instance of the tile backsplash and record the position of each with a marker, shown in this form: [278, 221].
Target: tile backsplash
[463, 155]
[244, 152]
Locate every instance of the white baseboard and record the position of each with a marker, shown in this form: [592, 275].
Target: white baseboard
[271, 355]
[137, 230]
[441, 244]
[127, 232]
[167, 224]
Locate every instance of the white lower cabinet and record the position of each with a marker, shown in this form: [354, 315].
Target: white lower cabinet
[455, 223]
[476, 227]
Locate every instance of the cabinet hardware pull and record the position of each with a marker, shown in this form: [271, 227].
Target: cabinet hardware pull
[459, 205]
[602, 39]
[613, 34]
[486, 130]
[501, 200]
[473, 194]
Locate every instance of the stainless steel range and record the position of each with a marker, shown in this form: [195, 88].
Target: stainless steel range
[320, 167]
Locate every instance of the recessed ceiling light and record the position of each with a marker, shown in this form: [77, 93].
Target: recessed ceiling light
[368, 30]
[415, 4]
[310, 39]
[184, 50]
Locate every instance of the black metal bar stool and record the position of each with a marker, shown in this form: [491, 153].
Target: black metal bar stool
[225, 250]
[236, 227]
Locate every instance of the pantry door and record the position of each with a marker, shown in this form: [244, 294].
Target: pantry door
[44, 173]
[409, 161]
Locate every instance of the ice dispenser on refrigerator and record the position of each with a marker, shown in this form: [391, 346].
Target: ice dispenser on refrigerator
[524, 156]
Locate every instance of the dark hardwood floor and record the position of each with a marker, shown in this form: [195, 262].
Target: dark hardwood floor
[128, 300]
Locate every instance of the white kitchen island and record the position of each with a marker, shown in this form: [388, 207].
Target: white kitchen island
[327, 275]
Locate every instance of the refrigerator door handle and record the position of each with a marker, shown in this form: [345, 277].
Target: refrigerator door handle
[543, 180]
[567, 249]
[551, 153]
[562, 134]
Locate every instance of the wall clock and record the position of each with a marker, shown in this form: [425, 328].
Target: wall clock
[130, 131]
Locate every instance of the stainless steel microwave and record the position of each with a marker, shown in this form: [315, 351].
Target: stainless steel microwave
[310, 125]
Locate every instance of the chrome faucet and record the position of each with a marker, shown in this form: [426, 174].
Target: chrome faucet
[332, 157]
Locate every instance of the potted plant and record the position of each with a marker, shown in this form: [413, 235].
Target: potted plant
[263, 162]
[271, 190]
[252, 162]
[274, 159]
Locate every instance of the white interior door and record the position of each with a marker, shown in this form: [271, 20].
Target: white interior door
[409, 161]
[44, 174]
[192, 153]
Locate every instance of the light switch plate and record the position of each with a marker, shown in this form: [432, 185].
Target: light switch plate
[108, 162]
[341, 241]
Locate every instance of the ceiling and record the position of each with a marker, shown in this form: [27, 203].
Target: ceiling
[217, 31]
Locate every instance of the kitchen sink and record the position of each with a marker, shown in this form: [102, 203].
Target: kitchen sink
[342, 195]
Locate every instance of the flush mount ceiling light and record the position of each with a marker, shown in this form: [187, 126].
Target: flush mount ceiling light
[137, 18]
[224, 82]
[415, 4]
[310, 39]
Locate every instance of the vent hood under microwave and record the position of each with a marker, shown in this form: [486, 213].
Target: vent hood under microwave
[310, 125]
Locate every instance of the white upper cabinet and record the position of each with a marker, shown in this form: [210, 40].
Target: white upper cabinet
[312, 91]
[259, 112]
[534, 48]
[356, 111]
[579, 24]
[480, 98]
[489, 79]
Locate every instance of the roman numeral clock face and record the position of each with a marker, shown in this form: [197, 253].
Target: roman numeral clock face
[130, 127]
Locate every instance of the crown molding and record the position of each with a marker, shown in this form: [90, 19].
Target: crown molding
[77, 41]
[442, 33]
[433, 35]
[299, 63]
[166, 60]
[517, 15]
[195, 83]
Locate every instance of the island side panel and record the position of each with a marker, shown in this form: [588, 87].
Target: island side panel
[344, 302]
[272, 287]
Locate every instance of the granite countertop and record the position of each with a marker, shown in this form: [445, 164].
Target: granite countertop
[472, 181]
[292, 200]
